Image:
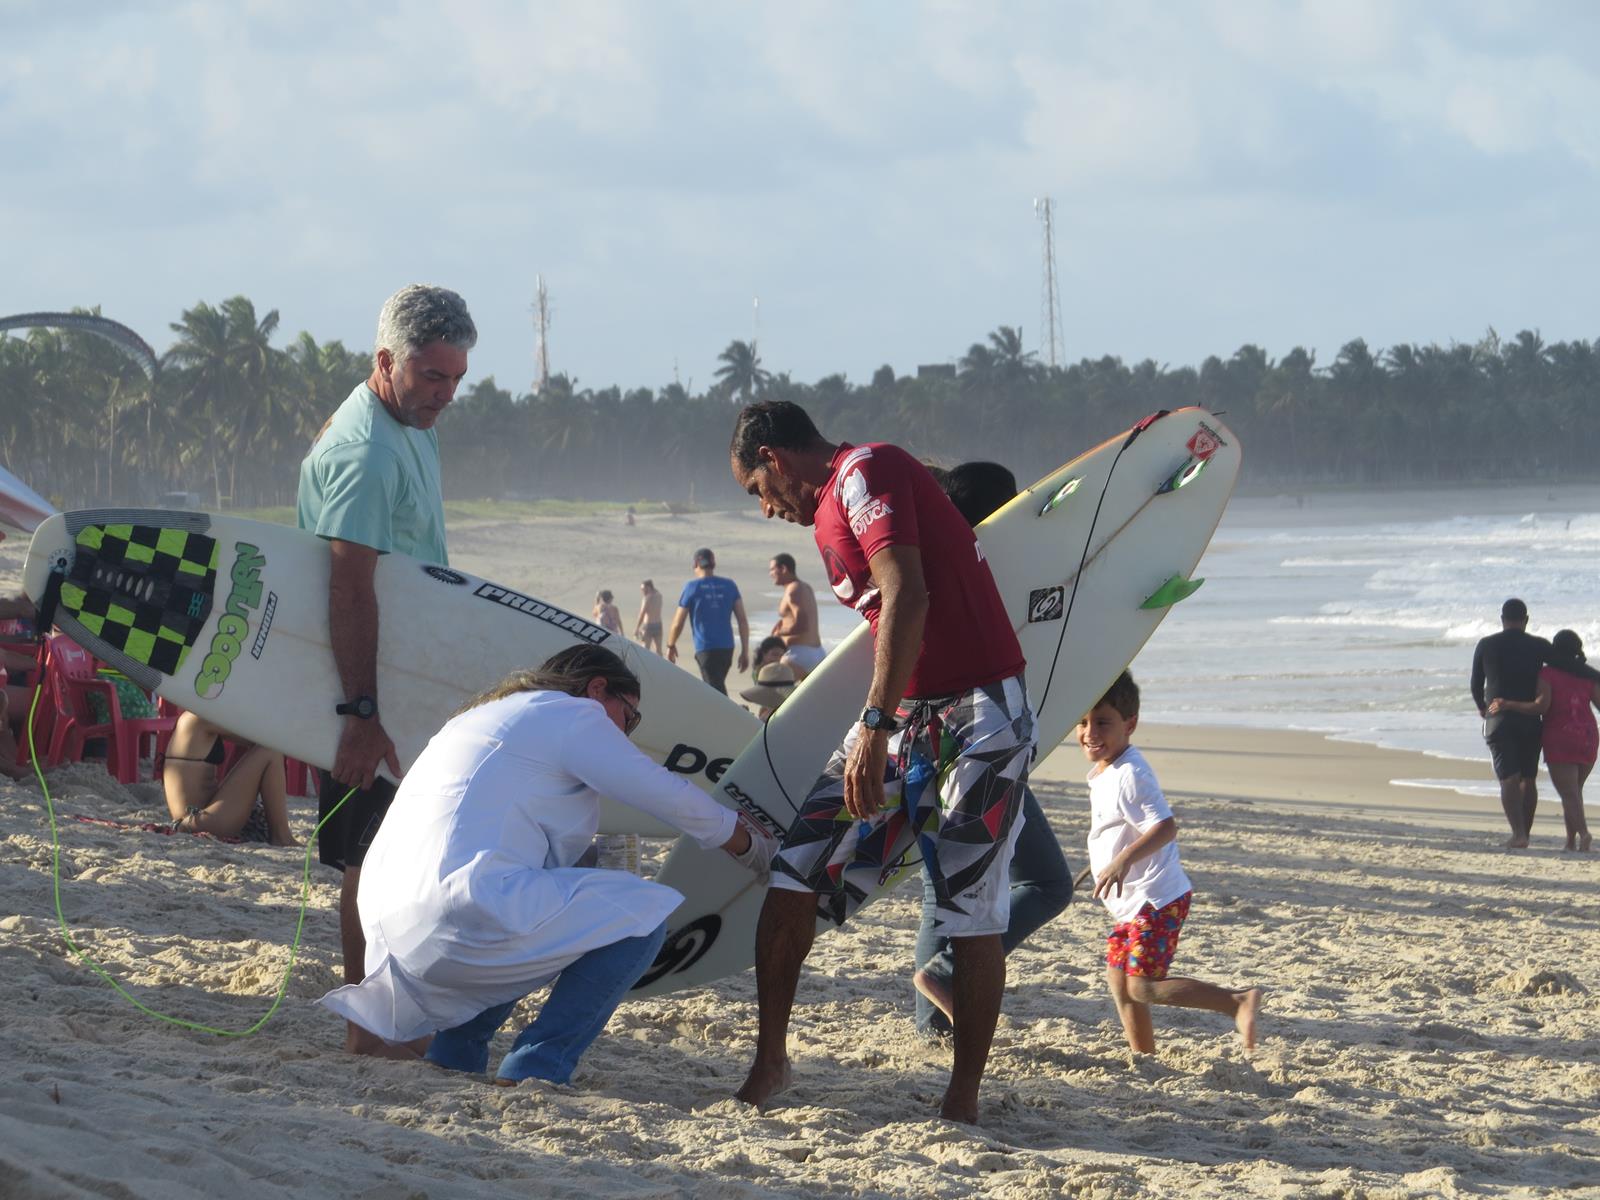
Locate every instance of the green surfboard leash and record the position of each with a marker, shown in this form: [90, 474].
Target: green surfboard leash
[89, 961]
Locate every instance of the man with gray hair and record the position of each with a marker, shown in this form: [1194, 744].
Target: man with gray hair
[369, 486]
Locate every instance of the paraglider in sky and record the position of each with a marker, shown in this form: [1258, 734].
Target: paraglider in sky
[131, 344]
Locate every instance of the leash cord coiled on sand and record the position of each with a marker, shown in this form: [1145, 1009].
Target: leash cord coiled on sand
[89, 961]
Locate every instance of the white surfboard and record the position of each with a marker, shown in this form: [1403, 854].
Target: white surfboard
[20, 505]
[229, 618]
[1088, 561]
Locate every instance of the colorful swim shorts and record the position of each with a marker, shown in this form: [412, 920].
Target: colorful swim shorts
[1145, 945]
[954, 797]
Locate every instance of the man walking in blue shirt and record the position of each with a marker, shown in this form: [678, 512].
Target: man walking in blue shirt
[708, 602]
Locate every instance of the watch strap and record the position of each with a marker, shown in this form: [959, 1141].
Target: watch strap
[364, 707]
[879, 720]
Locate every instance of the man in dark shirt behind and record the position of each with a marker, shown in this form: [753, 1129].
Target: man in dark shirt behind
[1506, 666]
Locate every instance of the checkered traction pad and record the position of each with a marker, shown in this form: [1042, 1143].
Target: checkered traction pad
[142, 589]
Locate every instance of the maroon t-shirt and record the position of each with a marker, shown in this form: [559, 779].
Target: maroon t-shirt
[877, 496]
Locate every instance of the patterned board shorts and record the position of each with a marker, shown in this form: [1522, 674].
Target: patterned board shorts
[957, 770]
[1145, 945]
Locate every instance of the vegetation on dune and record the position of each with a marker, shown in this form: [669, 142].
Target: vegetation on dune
[230, 414]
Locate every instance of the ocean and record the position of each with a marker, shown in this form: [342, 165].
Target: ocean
[1354, 614]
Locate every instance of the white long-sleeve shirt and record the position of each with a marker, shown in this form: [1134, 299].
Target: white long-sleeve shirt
[468, 896]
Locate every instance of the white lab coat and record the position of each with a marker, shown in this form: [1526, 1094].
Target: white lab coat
[468, 897]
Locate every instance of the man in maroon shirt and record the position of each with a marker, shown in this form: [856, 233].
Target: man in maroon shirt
[947, 728]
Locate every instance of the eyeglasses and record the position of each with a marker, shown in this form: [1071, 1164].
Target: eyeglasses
[634, 715]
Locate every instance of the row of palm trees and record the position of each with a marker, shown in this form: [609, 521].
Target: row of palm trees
[230, 414]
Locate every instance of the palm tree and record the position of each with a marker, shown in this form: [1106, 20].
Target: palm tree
[1289, 392]
[206, 398]
[741, 372]
[998, 370]
[1013, 365]
[229, 387]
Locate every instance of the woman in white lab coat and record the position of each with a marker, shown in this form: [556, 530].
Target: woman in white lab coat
[469, 898]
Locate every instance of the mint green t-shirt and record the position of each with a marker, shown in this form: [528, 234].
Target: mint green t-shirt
[373, 481]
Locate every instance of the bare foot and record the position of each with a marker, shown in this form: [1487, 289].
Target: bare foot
[1244, 1017]
[287, 839]
[1517, 843]
[936, 990]
[358, 1041]
[764, 1082]
[1585, 843]
[963, 1111]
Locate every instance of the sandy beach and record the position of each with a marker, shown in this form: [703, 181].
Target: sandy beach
[1431, 1026]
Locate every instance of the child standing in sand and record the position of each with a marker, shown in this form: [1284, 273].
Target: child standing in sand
[1133, 852]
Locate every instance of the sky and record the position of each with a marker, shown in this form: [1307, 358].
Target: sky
[1241, 171]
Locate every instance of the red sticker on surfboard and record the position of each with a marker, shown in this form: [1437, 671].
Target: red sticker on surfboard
[1205, 442]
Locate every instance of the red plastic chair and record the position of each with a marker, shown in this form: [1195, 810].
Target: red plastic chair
[298, 778]
[68, 679]
[70, 671]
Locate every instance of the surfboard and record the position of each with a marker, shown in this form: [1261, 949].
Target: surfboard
[1088, 560]
[229, 618]
[20, 505]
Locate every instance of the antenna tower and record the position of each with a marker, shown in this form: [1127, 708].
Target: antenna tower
[1050, 297]
[541, 329]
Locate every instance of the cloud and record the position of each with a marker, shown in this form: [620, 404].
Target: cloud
[866, 169]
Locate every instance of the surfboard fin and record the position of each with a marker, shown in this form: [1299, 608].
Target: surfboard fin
[1184, 474]
[1173, 590]
[1060, 495]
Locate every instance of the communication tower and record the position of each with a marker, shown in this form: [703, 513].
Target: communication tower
[541, 328]
[1050, 292]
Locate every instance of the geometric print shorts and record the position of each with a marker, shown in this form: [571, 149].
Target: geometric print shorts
[1145, 945]
[952, 800]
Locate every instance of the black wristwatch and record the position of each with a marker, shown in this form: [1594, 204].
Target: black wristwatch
[364, 707]
[879, 720]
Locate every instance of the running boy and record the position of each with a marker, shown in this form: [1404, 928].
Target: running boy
[1133, 852]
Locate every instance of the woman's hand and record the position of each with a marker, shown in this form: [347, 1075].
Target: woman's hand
[752, 847]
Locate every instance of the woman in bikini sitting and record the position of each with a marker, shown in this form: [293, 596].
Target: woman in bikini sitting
[249, 803]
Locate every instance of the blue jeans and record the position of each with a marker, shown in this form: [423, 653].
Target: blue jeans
[577, 1009]
[1041, 886]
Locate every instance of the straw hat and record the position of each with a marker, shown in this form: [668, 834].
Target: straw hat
[774, 684]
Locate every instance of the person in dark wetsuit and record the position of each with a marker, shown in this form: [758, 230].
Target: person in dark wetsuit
[1506, 665]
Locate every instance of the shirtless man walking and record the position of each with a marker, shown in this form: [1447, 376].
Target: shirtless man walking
[648, 627]
[797, 617]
